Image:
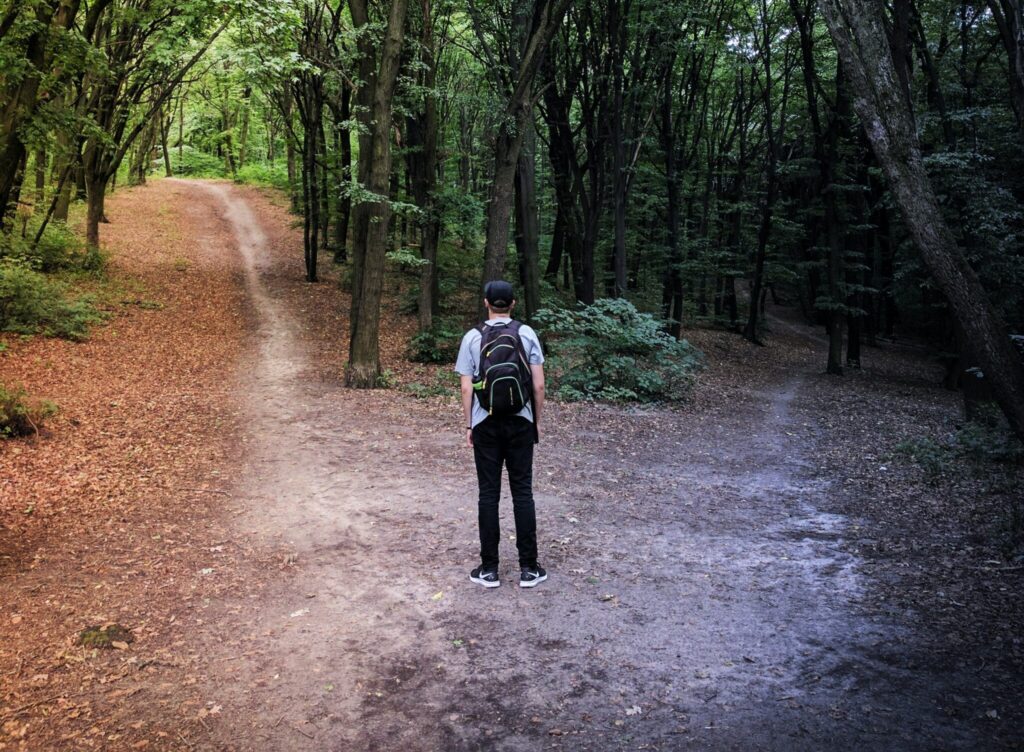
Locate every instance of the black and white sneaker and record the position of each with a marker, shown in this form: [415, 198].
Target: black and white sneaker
[532, 576]
[486, 577]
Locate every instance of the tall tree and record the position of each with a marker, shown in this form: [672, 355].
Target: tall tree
[859, 32]
[514, 118]
[144, 46]
[378, 89]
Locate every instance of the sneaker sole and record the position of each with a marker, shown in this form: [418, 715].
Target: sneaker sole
[533, 583]
[485, 583]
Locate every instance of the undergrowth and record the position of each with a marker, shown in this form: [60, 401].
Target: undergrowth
[612, 352]
[439, 344]
[976, 443]
[36, 292]
[20, 415]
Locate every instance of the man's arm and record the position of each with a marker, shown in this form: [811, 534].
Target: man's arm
[538, 393]
[467, 406]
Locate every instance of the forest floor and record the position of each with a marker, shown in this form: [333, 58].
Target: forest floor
[756, 570]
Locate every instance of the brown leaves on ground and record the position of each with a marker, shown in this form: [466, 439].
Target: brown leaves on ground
[111, 516]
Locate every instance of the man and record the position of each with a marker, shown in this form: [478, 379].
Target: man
[508, 438]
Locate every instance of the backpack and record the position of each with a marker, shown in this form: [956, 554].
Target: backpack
[504, 384]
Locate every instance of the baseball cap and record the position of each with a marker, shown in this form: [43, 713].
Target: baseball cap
[499, 293]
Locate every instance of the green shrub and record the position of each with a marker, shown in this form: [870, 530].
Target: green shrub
[439, 344]
[993, 443]
[929, 455]
[387, 379]
[275, 176]
[610, 351]
[59, 250]
[445, 384]
[30, 303]
[198, 164]
[20, 416]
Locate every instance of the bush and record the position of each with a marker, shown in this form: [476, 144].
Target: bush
[275, 176]
[197, 164]
[19, 416]
[930, 456]
[610, 351]
[58, 250]
[32, 304]
[993, 443]
[439, 344]
[445, 384]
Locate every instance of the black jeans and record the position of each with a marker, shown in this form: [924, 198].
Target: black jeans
[507, 441]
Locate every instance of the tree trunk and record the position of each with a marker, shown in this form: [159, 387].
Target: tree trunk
[858, 30]
[619, 281]
[364, 351]
[97, 190]
[343, 145]
[1009, 18]
[556, 250]
[515, 118]
[422, 135]
[527, 230]
[165, 127]
[672, 283]
[243, 136]
[40, 195]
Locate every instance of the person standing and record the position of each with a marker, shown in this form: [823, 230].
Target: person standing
[501, 369]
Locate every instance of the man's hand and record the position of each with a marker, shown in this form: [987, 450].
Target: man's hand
[469, 437]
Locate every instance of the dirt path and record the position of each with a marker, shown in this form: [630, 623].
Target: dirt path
[701, 596]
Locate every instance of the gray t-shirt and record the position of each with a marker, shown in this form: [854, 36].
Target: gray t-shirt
[468, 363]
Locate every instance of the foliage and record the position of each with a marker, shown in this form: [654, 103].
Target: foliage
[31, 303]
[976, 442]
[58, 250]
[255, 173]
[406, 259]
[20, 415]
[386, 379]
[439, 344]
[444, 384]
[926, 453]
[989, 442]
[198, 164]
[610, 351]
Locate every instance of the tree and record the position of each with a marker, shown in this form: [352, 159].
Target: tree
[380, 74]
[144, 48]
[515, 117]
[858, 30]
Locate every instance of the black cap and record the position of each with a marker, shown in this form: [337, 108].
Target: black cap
[499, 293]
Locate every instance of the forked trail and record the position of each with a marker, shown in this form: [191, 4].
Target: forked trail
[701, 594]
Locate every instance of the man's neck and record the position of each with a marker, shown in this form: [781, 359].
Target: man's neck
[491, 315]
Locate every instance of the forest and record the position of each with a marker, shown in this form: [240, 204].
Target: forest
[692, 158]
[675, 188]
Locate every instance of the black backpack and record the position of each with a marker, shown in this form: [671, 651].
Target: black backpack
[504, 383]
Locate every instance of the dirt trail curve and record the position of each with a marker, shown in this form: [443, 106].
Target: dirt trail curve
[699, 597]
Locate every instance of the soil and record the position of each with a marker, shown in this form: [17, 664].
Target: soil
[754, 570]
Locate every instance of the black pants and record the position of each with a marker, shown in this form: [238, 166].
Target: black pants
[507, 441]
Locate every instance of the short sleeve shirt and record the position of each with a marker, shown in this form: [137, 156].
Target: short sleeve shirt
[468, 363]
